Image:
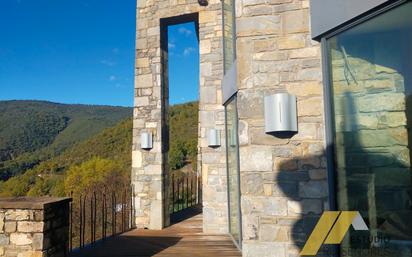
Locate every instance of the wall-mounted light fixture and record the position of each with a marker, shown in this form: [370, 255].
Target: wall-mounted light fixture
[280, 113]
[146, 140]
[213, 138]
[203, 2]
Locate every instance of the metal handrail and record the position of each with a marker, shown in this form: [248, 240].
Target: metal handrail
[85, 217]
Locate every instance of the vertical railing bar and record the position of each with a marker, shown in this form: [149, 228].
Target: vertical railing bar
[173, 193]
[91, 218]
[123, 216]
[131, 206]
[71, 224]
[115, 214]
[187, 192]
[180, 194]
[177, 194]
[191, 190]
[80, 220]
[84, 220]
[95, 217]
[102, 228]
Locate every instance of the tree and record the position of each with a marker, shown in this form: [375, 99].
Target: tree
[94, 175]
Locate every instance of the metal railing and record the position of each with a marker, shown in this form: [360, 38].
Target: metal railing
[97, 215]
[185, 191]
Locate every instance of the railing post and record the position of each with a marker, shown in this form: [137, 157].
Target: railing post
[173, 193]
[71, 224]
[187, 192]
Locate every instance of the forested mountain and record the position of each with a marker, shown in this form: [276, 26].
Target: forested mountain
[113, 146]
[183, 119]
[103, 159]
[34, 131]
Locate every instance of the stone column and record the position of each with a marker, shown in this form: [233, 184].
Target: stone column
[34, 227]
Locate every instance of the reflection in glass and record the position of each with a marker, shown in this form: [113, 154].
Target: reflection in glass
[233, 170]
[371, 81]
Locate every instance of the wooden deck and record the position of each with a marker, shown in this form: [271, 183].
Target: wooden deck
[183, 239]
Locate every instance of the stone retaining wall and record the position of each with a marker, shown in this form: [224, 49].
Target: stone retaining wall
[34, 227]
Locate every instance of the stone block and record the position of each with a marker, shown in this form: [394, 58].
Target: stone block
[31, 254]
[156, 215]
[17, 215]
[141, 43]
[285, 164]
[29, 226]
[207, 16]
[291, 42]
[250, 225]
[2, 217]
[313, 189]
[295, 21]
[137, 160]
[252, 183]
[10, 226]
[142, 62]
[4, 240]
[308, 52]
[38, 241]
[264, 249]
[208, 95]
[145, 80]
[317, 174]
[256, 159]
[205, 46]
[264, 45]
[258, 25]
[381, 102]
[20, 239]
[259, 137]
[273, 233]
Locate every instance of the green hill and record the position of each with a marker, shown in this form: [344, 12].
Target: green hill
[34, 131]
[111, 147]
[183, 119]
[47, 178]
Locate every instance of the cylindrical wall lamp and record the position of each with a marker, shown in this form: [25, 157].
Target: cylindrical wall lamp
[213, 138]
[280, 113]
[146, 140]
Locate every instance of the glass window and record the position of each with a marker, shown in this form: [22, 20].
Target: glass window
[232, 148]
[228, 7]
[371, 85]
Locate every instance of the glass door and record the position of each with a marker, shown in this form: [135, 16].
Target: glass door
[371, 94]
[233, 176]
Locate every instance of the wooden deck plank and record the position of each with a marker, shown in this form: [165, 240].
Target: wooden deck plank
[183, 239]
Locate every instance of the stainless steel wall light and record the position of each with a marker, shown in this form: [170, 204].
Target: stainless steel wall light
[280, 113]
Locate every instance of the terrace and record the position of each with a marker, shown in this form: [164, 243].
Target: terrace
[183, 238]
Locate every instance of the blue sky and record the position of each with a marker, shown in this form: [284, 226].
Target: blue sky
[82, 51]
[183, 63]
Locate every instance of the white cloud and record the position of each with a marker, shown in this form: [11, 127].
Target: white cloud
[188, 51]
[112, 78]
[171, 45]
[185, 31]
[108, 63]
[115, 50]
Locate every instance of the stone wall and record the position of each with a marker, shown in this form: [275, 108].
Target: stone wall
[34, 227]
[283, 178]
[151, 103]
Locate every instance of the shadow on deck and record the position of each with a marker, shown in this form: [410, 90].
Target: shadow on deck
[184, 238]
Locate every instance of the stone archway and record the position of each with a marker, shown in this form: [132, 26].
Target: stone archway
[151, 91]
